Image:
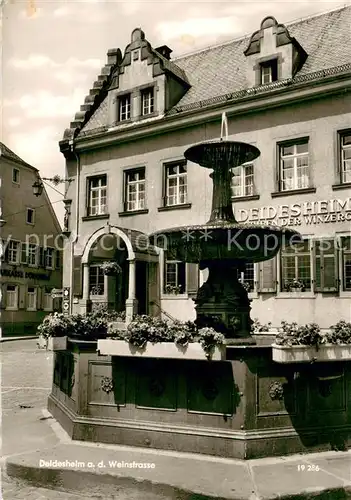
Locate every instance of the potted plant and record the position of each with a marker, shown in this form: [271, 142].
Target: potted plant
[110, 268]
[173, 289]
[297, 344]
[155, 338]
[53, 332]
[258, 327]
[294, 285]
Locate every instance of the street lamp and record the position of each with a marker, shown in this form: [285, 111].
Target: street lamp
[38, 186]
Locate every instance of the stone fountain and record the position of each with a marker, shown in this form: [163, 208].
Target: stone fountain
[222, 244]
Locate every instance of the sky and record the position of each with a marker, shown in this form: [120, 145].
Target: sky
[52, 51]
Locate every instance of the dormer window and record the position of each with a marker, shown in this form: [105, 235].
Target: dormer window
[124, 107]
[269, 71]
[147, 101]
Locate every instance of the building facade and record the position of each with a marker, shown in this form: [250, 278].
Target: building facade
[31, 248]
[284, 89]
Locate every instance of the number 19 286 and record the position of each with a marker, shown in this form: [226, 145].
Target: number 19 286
[308, 468]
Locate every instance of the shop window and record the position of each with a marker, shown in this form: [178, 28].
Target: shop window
[346, 263]
[32, 297]
[174, 277]
[345, 156]
[97, 195]
[243, 181]
[326, 265]
[134, 189]
[96, 280]
[175, 183]
[294, 168]
[12, 297]
[296, 267]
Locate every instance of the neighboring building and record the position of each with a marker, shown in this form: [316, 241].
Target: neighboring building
[31, 253]
[285, 89]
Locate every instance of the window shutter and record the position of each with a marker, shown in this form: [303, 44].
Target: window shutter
[192, 278]
[40, 298]
[182, 276]
[41, 257]
[268, 276]
[2, 250]
[57, 259]
[24, 253]
[326, 268]
[3, 296]
[22, 303]
[77, 275]
[277, 168]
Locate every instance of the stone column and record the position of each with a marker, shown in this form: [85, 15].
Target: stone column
[84, 307]
[131, 302]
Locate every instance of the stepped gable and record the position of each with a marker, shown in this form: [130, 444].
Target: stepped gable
[218, 74]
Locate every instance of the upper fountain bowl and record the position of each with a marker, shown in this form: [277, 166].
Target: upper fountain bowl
[229, 154]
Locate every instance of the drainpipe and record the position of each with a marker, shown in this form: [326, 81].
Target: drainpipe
[74, 241]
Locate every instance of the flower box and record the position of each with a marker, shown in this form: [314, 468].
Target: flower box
[170, 350]
[306, 354]
[57, 344]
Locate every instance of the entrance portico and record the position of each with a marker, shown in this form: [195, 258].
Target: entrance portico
[128, 248]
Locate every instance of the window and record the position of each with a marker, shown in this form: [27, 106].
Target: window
[98, 195]
[24, 253]
[296, 267]
[32, 255]
[346, 263]
[124, 108]
[176, 184]
[49, 258]
[174, 277]
[13, 252]
[96, 280]
[345, 157]
[135, 55]
[269, 71]
[12, 297]
[135, 190]
[243, 181]
[47, 300]
[294, 165]
[247, 277]
[30, 216]
[326, 265]
[15, 175]
[32, 299]
[58, 259]
[147, 101]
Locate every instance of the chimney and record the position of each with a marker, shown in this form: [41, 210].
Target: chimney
[164, 51]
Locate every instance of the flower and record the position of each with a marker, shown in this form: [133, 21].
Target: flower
[295, 283]
[110, 267]
[173, 289]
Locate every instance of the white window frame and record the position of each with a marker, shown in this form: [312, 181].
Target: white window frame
[99, 208]
[147, 101]
[266, 71]
[15, 294]
[124, 107]
[244, 177]
[34, 294]
[177, 176]
[33, 216]
[49, 262]
[47, 299]
[104, 292]
[19, 175]
[339, 236]
[308, 294]
[343, 160]
[294, 157]
[10, 250]
[139, 202]
[32, 246]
